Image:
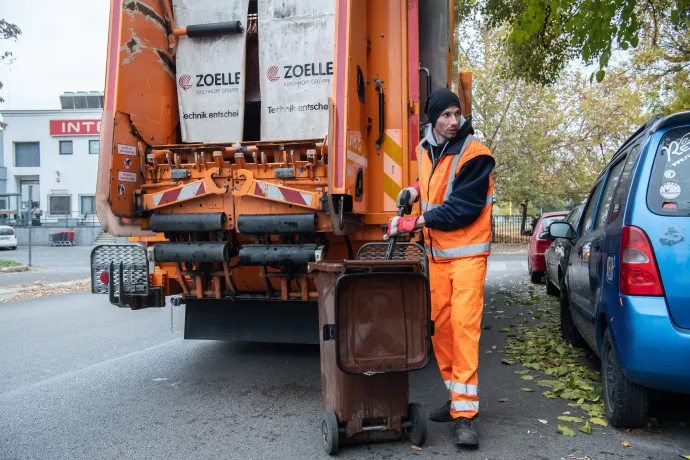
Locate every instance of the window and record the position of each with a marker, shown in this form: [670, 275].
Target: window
[668, 193]
[619, 198]
[574, 216]
[607, 197]
[66, 148]
[60, 204]
[87, 204]
[94, 147]
[547, 221]
[588, 218]
[27, 154]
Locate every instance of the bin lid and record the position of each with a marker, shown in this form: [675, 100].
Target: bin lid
[382, 321]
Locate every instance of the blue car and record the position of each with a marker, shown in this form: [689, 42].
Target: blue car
[628, 276]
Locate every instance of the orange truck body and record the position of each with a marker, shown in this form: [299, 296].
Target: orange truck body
[347, 180]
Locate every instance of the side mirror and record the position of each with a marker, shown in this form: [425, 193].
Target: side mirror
[562, 230]
[527, 232]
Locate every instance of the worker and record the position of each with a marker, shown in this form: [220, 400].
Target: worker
[455, 187]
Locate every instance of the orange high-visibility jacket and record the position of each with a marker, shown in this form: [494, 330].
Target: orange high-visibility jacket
[436, 185]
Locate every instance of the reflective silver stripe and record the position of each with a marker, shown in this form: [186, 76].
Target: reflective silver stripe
[419, 160]
[463, 389]
[489, 198]
[454, 167]
[463, 406]
[461, 251]
[448, 383]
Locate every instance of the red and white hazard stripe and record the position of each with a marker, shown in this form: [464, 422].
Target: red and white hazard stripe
[274, 192]
[179, 194]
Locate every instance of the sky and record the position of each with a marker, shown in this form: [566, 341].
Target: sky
[62, 47]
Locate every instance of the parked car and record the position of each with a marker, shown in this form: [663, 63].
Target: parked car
[627, 283]
[556, 256]
[8, 237]
[539, 242]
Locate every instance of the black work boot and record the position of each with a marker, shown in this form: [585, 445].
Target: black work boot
[464, 432]
[441, 414]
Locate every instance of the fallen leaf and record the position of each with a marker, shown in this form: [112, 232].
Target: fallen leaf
[504, 400]
[487, 327]
[598, 421]
[504, 329]
[415, 448]
[543, 421]
[626, 444]
[687, 457]
[507, 361]
[566, 418]
[522, 372]
[586, 429]
[527, 377]
[565, 430]
[528, 390]
[488, 352]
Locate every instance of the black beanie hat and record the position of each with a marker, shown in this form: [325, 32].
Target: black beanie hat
[438, 101]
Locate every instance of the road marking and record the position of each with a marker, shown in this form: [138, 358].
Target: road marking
[83, 370]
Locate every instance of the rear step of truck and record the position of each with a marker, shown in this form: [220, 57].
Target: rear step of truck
[122, 272]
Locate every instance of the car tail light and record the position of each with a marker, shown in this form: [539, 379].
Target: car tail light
[639, 271]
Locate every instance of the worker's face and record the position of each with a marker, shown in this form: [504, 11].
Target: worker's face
[448, 123]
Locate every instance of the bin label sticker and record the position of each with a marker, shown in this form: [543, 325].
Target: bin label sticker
[126, 176]
[123, 149]
[128, 163]
[121, 189]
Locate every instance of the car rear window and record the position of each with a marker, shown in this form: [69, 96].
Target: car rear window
[6, 232]
[669, 187]
[550, 220]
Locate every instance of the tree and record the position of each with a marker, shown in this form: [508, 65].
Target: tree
[550, 142]
[8, 31]
[545, 35]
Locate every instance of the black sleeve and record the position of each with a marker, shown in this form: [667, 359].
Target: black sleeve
[467, 199]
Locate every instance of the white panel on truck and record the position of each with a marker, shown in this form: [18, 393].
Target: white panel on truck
[210, 72]
[296, 41]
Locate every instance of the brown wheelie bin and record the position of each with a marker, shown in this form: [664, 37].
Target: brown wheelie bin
[375, 324]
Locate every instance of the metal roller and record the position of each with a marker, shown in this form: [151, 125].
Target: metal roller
[275, 224]
[191, 252]
[280, 254]
[203, 222]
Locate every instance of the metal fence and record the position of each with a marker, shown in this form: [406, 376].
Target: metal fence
[50, 220]
[506, 229]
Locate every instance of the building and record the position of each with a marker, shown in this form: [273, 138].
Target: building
[53, 153]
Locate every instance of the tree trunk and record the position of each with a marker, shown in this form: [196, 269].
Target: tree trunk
[524, 216]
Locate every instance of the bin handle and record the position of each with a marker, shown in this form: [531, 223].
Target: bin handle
[401, 212]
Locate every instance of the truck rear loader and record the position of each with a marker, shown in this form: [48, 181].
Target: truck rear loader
[242, 140]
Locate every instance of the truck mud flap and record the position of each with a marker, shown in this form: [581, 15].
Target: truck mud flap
[252, 320]
[122, 272]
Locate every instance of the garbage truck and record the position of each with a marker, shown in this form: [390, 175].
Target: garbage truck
[243, 140]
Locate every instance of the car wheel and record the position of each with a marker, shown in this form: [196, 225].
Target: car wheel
[626, 403]
[14, 248]
[569, 331]
[551, 288]
[535, 277]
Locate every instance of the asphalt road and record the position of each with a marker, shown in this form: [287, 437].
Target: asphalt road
[49, 264]
[82, 379]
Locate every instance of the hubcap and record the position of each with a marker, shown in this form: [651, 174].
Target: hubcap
[324, 431]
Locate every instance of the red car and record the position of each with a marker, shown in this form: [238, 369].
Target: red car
[539, 242]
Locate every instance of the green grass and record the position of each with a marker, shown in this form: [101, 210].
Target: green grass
[8, 263]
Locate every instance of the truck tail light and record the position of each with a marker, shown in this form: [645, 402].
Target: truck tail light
[639, 270]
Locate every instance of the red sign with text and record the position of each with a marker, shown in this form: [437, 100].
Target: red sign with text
[75, 127]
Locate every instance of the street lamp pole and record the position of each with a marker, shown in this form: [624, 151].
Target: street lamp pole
[31, 223]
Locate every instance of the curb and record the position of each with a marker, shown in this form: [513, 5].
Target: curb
[17, 269]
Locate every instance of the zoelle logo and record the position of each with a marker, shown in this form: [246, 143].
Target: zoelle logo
[272, 73]
[185, 82]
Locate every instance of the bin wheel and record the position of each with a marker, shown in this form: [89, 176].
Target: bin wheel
[329, 430]
[416, 433]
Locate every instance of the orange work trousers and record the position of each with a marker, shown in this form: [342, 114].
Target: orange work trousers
[457, 303]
